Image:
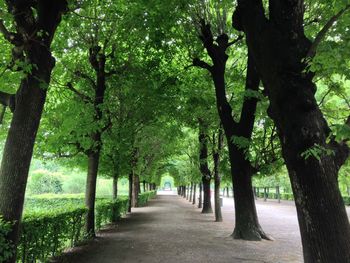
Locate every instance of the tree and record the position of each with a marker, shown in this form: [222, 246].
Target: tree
[34, 24]
[238, 133]
[281, 52]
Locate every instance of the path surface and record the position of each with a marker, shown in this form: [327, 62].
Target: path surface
[170, 229]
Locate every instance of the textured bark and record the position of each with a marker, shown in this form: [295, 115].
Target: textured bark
[30, 100]
[204, 167]
[115, 187]
[200, 200]
[191, 192]
[217, 179]
[90, 193]
[279, 47]
[135, 189]
[194, 194]
[130, 192]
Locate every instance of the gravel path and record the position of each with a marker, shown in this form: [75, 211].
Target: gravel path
[170, 229]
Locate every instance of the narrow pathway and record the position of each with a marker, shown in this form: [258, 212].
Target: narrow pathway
[170, 229]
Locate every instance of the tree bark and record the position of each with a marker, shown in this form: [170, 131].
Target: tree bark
[204, 167]
[217, 179]
[144, 185]
[194, 194]
[90, 193]
[135, 190]
[130, 191]
[30, 100]
[191, 192]
[280, 47]
[115, 186]
[200, 200]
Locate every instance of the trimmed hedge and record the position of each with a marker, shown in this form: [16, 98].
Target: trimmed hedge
[283, 196]
[6, 249]
[145, 197]
[53, 224]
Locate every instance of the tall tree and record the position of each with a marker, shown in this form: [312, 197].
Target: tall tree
[238, 133]
[34, 24]
[281, 51]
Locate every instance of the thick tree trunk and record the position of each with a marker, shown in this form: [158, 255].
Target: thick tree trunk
[200, 199]
[130, 192]
[194, 194]
[90, 192]
[280, 48]
[115, 186]
[29, 103]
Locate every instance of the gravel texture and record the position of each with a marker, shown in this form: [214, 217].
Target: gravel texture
[170, 229]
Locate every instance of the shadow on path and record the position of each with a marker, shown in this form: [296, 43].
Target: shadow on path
[170, 229]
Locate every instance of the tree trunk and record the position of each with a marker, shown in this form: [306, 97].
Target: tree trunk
[216, 159]
[194, 194]
[280, 49]
[191, 192]
[115, 186]
[90, 193]
[200, 200]
[203, 166]
[144, 185]
[135, 190]
[228, 191]
[247, 226]
[29, 103]
[206, 196]
[130, 192]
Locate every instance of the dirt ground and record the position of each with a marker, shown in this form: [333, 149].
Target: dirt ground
[170, 229]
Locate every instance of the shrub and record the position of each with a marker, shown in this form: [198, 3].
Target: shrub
[144, 197]
[51, 224]
[108, 211]
[47, 233]
[42, 181]
[6, 248]
[346, 200]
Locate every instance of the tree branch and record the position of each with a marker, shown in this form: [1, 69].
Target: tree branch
[239, 38]
[200, 63]
[11, 37]
[85, 76]
[322, 34]
[84, 97]
[8, 100]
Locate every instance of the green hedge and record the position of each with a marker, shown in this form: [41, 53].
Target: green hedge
[47, 233]
[283, 196]
[6, 249]
[145, 197]
[289, 196]
[108, 211]
[53, 224]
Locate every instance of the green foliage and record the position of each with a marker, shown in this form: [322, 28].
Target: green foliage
[42, 181]
[47, 233]
[6, 248]
[52, 223]
[144, 197]
[316, 151]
